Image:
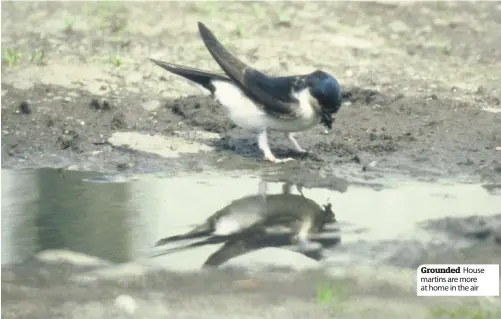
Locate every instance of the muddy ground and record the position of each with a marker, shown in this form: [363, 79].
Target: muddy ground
[421, 82]
[422, 89]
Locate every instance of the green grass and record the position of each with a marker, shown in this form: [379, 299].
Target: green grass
[240, 30]
[37, 56]
[332, 295]
[284, 19]
[68, 24]
[11, 56]
[115, 60]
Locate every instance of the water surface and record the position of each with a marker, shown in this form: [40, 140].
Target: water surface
[122, 220]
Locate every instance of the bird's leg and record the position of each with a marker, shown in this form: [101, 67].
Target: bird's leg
[302, 237]
[265, 148]
[286, 188]
[298, 148]
[299, 188]
[263, 189]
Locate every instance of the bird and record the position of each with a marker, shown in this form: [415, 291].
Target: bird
[258, 102]
[257, 221]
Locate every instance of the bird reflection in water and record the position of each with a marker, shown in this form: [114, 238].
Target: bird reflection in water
[285, 220]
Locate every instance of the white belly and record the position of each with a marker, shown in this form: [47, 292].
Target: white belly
[246, 114]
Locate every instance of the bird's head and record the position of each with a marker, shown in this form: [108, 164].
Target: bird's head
[329, 216]
[325, 89]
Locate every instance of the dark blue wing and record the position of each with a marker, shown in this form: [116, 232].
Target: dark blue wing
[274, 94]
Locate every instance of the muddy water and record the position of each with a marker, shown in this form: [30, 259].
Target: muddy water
[121, 218]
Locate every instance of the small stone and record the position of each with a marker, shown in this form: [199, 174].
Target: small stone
[95, 104]
[372, 164]
[99, 105]
[126, 303]
[67, 99]
[106, 105]
[68, 139]
[480, 90]
[97, 88]
[118, 121]
[123, 166]
[24, 107]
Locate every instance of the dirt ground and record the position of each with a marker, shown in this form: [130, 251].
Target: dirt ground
[46, 287]
[421, 82]
[422, 92]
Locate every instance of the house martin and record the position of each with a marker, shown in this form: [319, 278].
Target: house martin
[258, 102]
[257, 221]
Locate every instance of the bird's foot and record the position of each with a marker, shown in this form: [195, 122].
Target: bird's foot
[278, 160]
[301, 150]
[284, 160]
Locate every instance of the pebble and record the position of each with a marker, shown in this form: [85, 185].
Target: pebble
[24, 107]
[100, 105]
[97, 88]
[126, 303]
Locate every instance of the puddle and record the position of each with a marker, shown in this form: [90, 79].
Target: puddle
[122, 219]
